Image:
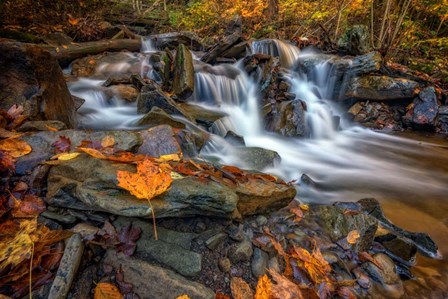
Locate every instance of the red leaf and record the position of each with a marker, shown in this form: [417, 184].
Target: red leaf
[6, 162]
[63, 144]
[128, 237]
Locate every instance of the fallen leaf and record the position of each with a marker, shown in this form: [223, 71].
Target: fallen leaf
[30, 206]
[353, 237]
[66, 156]
[108, 141]
[263, 290]
[15, 147]
[298, 213]
[169, 158]
[304, 207]
[183, 297]
[284, 288]
[50, 128]
[8, 134]
[93, 152]
[63, 144]
[7, 162]
[148, 182]
[105, 290]
[346, 293]
[240, 289]
[128, 237]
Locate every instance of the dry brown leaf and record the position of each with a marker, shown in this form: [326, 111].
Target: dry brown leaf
[105, 290]
[93, 152]
[15, 147]
[8, 134]
[50, 128]
[148, 182]
[263, 290]
[240, 289]
[353, 237]
[108, 141]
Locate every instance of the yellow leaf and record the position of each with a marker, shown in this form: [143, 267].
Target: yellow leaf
[304, 207]
[108, 141]
[16, 248]
[168, 158]
[263, 290]
[93, 152]
[183, 297]
[353, 237]
[67, 156]
[149, 181]
[105, 290]
[176, 176]
[15, 147]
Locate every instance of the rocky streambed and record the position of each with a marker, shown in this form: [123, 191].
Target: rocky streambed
[220, 228]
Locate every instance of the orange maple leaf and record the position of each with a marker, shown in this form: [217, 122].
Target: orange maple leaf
[150, 180]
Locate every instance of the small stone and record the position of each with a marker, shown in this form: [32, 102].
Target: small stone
[213, 242]
[386, 276]
[200, 227]
[273, 264]
[236, 232]
[67, 268]
[85, 230]
[261, 220]
[224, 265]
[259, 263]
[241, 252]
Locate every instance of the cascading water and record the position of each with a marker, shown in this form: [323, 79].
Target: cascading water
[287, 53]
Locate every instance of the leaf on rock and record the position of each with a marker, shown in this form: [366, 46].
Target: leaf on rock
[105, 290]
[93, 152]
[15, 147]
[346, 293]
[149, 181]
[128, 237]
[263, 290]
[353, 237]
[7, 162]
[298, 213]
[183, 297]
[65, 156]
[108, 141]
[30, 206]
[240, 289]
[63, 144]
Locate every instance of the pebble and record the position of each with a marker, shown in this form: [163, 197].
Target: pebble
[273, 264]
[236, 233]
[224, 265]
[241, 252]
[261, 220]
[259, 263]
[213, 242]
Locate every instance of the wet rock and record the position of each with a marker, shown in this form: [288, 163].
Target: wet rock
[337, 225]
[398, 249]
[157, 117]
[172, 40]
[213, 242]
[424, 111]
[203, 116]
[273, 265]
[42, 125]
[380, 88]
[259, 263]
[308, 181]
[356, 40]
[375, 115]
[224, 265]
[442, 120]
[31, 76]
[159, 141]
[423, 241]
[258, 158]
[84, 283]
[241, 252]
[67, 268]
[288, 119]
[150, 97]
[63, 218]
[236, 232]
[385, 275]
[163, 283]
[85, 230]
[122, 91]
[237, 51]
[191, 142]
[183, 85]
[87, 183]
[234, 138]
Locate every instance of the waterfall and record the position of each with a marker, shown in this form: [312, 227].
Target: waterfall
[287, 53]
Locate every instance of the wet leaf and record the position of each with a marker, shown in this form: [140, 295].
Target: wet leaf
[284, 288]
[15, 147]
[346, 293]
[148, 182]
[7, 162]
[17, 247]
[108, 141]
[30, 206]
[128, 237]
[93, 152]
[8, 134]
[50, 128]
[63, 144]
[298, 213]
[304, 207]
[105, 290]
[263, 290]
[353, 237]
[314, 263]
[66, 156]
[169, 158]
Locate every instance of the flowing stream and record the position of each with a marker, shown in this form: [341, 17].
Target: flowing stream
[408, 174]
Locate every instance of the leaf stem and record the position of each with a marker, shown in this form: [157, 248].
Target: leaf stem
[153, 220]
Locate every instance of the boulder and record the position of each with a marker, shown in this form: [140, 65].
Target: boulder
[159, 141]
[257, 158]
[42, 125]
[380, 88]
[183, 85]
[356, 40]
[172, 40]
[287, 118]
[424, 111]
[151, 96]
[32, 77]
[337, 225]
[442, 120]
[157, 117]
[233, 37]
[201, 115]
[162, 283]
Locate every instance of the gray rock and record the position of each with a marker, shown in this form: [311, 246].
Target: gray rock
[68, 219]
[442, 119]
[162, 283]
[380, 88]
[159, 141]
[224, 265]
[273, 264]
[257, 158]
[241, 252]
[203, 116]
[213, 242]
[87, 183]
[259, 263]
[337, 225]
[150, 97]
[261, 220]
[67, 268]
[183, 85]
[157, 117]
[398, 249]
[172, 40]
[288, 119]
[185, 262]
[236, 232]
[42, 125]
[424, 112]
[356, 40]
[386, 275]
[32, 77]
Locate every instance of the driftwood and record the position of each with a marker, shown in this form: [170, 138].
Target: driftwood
[67, 53]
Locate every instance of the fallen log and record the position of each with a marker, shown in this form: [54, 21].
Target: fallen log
[67, 53]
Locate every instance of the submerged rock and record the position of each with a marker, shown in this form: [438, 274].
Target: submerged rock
[32, 77]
